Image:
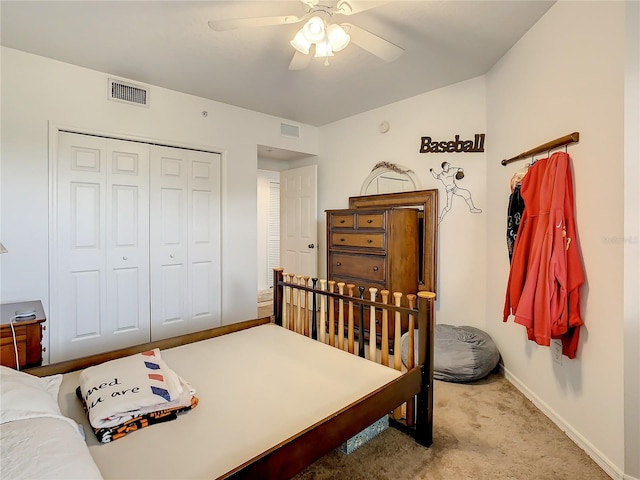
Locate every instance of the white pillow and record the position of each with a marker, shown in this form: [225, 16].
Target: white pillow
[26, 396]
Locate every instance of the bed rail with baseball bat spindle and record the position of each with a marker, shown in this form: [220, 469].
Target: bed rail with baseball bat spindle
[315, 318]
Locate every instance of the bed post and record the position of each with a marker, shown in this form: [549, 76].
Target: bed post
[424, 417]
[278, 290]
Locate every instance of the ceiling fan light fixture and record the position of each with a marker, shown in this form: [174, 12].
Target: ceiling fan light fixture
[301, 43]
[323, 49]
[337, 37]
[314, 29]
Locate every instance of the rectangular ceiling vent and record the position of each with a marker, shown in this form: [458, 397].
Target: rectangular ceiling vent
[289, 130]
[128, 93]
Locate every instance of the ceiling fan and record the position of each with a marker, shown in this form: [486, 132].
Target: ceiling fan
[320, 33]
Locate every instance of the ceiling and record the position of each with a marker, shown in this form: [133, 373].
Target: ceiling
[169, 44]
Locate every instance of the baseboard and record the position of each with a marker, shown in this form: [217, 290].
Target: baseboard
[597, 456]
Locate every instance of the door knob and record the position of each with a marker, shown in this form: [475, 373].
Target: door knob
[311, 245]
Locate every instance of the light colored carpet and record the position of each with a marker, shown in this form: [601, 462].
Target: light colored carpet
[483, 430]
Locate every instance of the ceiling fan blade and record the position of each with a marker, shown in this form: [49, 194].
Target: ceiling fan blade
[373, 43]
[233, 23]
[300, 61]
[351, 7]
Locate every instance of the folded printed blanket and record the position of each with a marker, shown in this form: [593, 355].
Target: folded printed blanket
[134, 423]
[121, 389]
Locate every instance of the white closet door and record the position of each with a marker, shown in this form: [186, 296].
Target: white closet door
[185, 241]
[100, 265]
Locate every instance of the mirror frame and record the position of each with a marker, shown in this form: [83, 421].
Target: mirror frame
[428, 200]
[380, 171]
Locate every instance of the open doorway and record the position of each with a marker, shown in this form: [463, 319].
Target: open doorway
[268, 237]
[271, 162]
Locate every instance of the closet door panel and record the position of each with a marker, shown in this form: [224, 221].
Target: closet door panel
[170, 287]
[185, 245]
[128, 241]
[168, 227]
[204, 239]
[78, 301]
[84, 310]
[99, 274]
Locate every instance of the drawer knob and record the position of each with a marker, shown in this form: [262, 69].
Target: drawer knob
[171, 255]
[342, 221]
[338, 264]
[342, 239]
[369, 221]
[125, 258]
[375, 269]
[369, 241]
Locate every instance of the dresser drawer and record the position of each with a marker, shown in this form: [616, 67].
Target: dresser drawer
[369, 267]
[343, 220]
[362, 240]
[370, 220]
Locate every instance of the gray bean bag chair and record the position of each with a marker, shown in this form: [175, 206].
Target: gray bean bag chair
[461, 354]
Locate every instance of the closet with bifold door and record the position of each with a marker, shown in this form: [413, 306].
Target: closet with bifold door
[135, 243]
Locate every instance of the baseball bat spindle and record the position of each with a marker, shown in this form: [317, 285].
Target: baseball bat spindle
[341, 316]
[314, 313]
[298, 307]
[305, 305]
[332, 314]
[291, 294]
[361, 324]
[350, 327]
[411, 403]
[372, 325]
[384, 343]
[323, 312]
[397, 346]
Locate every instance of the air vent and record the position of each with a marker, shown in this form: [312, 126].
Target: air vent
[128, 93]
[289, 130]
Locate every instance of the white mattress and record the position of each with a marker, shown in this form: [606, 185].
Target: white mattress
[256, 387]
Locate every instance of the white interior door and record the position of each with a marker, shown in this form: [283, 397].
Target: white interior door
[298, 221]
[185, 241]
[100, 254]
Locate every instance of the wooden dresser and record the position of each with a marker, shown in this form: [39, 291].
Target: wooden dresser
[374, 248]
[28, 331]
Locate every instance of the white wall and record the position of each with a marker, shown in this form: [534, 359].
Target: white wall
[566, 74]
[37, 91]
[632, 241]
[351, 147]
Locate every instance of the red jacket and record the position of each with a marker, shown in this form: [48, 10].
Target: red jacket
[546, 269]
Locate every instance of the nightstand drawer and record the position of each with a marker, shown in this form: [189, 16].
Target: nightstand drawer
[8, 354]
[362, 240]
[371, 268]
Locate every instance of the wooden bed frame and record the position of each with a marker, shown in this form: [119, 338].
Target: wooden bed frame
[289, 457]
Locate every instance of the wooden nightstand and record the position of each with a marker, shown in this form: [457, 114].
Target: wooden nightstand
[28, 334]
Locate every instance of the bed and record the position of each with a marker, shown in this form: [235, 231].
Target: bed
[273, 399]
